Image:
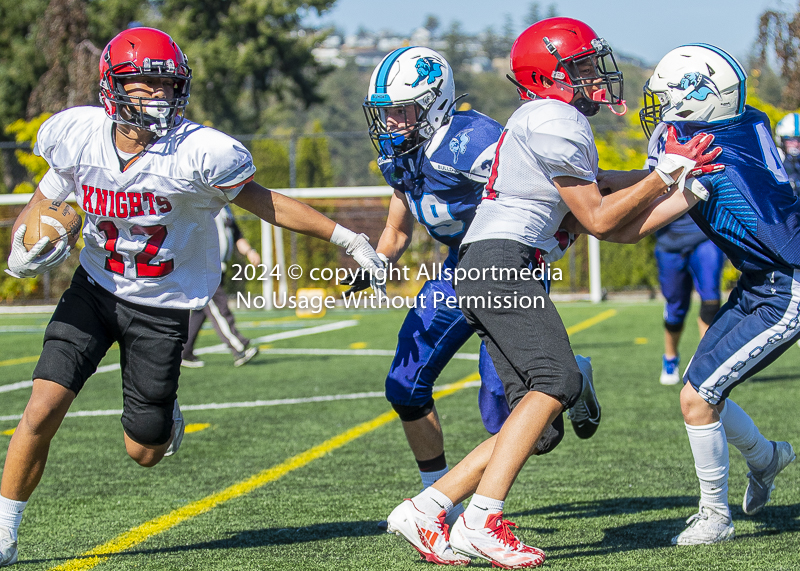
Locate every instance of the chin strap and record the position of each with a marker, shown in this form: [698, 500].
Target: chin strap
[600, 97]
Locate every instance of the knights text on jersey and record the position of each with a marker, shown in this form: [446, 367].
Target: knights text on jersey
[149, 233]
[752, 214]
[542, 140]
[444, 179]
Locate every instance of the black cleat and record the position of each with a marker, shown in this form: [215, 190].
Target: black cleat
[585, 414]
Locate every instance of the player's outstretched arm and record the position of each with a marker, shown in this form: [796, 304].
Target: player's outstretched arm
[396, 236]
[285, 212]
[293, 215]
[612, 181]
[664, 210]
[600, 215]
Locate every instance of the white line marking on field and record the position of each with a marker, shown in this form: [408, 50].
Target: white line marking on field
[250, 404]
[355, 352]
[221, 348]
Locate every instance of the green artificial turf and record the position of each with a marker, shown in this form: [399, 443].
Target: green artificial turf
[611, 502]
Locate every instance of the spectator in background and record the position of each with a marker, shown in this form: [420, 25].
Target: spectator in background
[685, 256]
[217, 309]
[787, 133]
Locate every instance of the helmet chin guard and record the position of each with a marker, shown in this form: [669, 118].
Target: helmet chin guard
[144, 53]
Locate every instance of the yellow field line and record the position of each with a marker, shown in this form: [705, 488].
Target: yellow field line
[592, 321]
[137, 535]
[19, 361]
[153, 527]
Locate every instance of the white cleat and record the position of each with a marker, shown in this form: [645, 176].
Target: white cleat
[8, 547]
[426, 534]
[495, 543]
[453, 515]
[706, 527]
[670, 371]
[760, 482]
[177, 433]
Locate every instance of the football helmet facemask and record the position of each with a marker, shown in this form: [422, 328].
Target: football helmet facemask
[695, 82]
[561, 58]
[145, 53]
[412, 78]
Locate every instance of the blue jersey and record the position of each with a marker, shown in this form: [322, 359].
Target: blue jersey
[443, 180]
[752, 213]
[682, 236]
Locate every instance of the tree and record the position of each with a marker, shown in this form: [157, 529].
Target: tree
[71, 78]
[533, 15]
[245, 56]
[455, 52]
[493, 45]
[431, 24]
[780, 33]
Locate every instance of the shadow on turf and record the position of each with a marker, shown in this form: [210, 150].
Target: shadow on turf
[647, 534]
[640, 535]
[279, 536]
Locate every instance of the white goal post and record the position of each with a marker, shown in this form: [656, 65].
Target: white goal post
[272, 236]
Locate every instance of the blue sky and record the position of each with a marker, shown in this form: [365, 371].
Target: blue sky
[647, 33]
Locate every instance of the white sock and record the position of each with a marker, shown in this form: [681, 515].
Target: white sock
[11, 514]
[479, 508]
[743, 433]
[429, 478]
[710, 451]
[431, 501]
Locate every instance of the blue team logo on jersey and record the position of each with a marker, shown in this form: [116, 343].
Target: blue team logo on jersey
[701, 86]
[458, 144]
[428, 69]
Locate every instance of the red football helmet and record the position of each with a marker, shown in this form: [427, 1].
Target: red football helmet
[558, 58]
[150, 53]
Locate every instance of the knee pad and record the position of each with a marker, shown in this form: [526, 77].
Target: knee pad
[413, 412]
[708, 310]
[552, 436]
[151, 425]
[673, 327]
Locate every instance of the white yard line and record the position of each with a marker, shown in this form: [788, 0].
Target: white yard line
[354, 352]
[220, 348]
[249, 404]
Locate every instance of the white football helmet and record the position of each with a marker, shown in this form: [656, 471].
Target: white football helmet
[695, 82]
[409, 76]
[787, 134]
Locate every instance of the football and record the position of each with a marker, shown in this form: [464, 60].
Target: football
[52, 219]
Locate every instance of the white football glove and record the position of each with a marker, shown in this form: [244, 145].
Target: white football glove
[28, 264]
[357, 245]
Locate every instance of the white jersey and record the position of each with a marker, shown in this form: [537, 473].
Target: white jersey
[543, 139]
[149, 230]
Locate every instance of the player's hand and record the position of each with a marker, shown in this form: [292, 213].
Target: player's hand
[369, 261]
[713, 168]
[565, 240]
[361, 279]
[357, 245]
[685, 157]
[28, 264]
